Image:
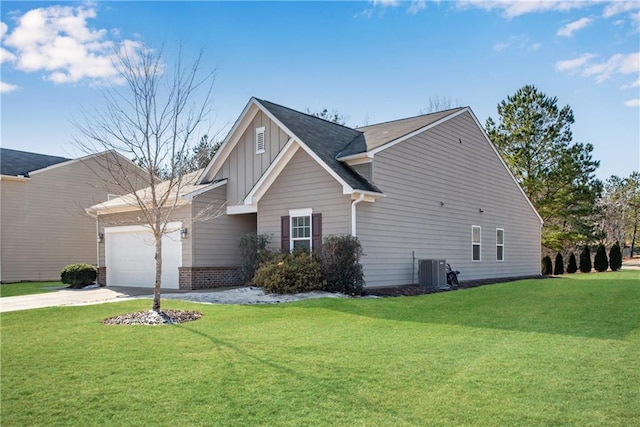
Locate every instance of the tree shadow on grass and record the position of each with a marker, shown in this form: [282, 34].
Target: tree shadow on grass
[603, 309]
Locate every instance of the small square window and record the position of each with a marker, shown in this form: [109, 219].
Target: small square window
[260, 140]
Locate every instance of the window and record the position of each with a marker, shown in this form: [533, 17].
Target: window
[475, 242]
[301, 229]
[260, 140]
[499, 244]
[301, 232]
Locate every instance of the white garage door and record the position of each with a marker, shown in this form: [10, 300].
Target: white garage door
[129, 256]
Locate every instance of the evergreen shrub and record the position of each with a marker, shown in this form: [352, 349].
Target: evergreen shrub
[572, 267]
[585, 260]
[340, 262]
[290, 273]
[601, 262]
[615, 257]
[253, 252]
[559, 265]
[78, 275]
[547, 268]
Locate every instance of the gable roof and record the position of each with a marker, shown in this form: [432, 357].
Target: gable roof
[326, 139]
[15, 162]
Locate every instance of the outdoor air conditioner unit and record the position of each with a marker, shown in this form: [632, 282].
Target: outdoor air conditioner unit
[432, 273]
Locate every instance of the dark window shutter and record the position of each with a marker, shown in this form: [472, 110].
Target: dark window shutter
[316, 227]
[285, 233]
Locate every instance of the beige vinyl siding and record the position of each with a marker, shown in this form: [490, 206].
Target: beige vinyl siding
[181, 214]
[215, 240]
[43, 223]
[365, 170]
[304, 184]
[432, 168]
[244, 167]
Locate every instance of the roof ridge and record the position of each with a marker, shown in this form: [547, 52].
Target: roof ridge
[307, 114]
[412, 117]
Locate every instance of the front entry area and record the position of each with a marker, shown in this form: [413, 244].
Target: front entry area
[129, 256]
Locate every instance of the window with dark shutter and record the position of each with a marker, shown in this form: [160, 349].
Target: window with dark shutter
[285, 234]
[317, 230]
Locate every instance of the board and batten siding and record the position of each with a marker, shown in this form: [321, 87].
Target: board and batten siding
[180, 214]
[436, 183]
[243, 168]
[215, 240]
[43, 225]
[303, 183]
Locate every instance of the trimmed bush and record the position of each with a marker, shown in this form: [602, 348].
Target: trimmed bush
[601, 262]
[615, 257]
[559, 265]
[572, 267]
[78, 275]
[585, 260]
[253, 251]
[290, 273]
[340, 263]
[546, 266]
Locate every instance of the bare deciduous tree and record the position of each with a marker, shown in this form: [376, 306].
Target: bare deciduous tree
[435, 104]
[151, 115]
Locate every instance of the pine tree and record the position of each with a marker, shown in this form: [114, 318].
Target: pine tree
[572, 267]
[546, 266]
[585, 260]
[615, 257]
[601, 262]
[559, 265]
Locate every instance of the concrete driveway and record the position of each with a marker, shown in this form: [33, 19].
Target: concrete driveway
[70, 297]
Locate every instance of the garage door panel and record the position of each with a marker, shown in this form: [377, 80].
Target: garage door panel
[130, 258]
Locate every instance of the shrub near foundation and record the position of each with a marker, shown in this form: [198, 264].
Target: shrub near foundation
[547, 266]
[559, 265]
[78, 275]
[290, 273]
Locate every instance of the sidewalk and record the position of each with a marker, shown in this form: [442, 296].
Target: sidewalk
[69, 297]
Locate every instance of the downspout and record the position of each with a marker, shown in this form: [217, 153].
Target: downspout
[353, 213]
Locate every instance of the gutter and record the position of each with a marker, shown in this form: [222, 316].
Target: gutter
[353, 213]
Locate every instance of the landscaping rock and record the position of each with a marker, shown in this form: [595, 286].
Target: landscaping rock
[151, 317]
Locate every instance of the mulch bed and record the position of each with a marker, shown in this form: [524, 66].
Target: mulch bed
[411, 290]
[150, 317]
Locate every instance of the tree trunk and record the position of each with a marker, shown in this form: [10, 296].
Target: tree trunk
[633, 238]
[158, 257]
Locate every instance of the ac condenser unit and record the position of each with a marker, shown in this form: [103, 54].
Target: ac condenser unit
[432, 273]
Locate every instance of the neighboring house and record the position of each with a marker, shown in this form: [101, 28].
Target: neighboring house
[426, 187]
[43, 226]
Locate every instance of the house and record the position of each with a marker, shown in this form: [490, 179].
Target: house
[425, 187]
[43, 226]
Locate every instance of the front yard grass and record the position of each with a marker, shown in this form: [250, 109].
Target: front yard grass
[27, 288]
[562, 351]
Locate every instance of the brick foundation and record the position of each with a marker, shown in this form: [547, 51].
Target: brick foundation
[192, 278]
[102, 276]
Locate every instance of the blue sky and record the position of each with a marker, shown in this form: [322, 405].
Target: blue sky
[372, 61]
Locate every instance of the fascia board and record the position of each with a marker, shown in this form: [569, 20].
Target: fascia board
[85, 159]
[241, 209]
[190, 196]
[417, 132]
[14, 178]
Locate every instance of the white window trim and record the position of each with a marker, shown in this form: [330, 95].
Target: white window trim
[474, 243]
[260, 131]
[500, 244]
[297, 213]
[111, 196]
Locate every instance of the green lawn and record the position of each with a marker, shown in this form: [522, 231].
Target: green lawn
[560, 351]
[28, 288]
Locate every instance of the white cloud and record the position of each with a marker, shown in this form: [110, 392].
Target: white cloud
[618, 7]
[58, 41]
[631, 85]
[617, 64]
[633, 103]
[417, 6]
[3, 29]
[575, 63]
[7, 88]
[518, 42]
[385, 3]
[511, 9]
[6, 56]
[572, 27]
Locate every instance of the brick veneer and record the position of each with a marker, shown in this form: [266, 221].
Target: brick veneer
[191, 278]
[102, 276]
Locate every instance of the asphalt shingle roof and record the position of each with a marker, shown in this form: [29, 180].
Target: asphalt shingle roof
[15, 162]
[326, 139]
